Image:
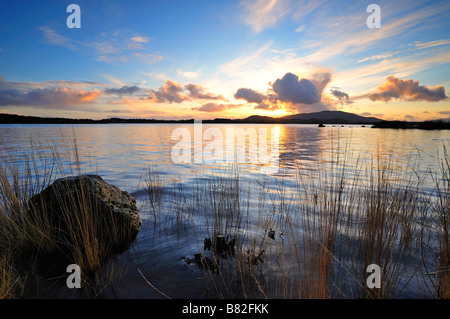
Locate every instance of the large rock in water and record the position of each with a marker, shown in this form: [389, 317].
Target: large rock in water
[87, 216]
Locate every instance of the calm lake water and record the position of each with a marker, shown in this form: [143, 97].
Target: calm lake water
[123, 154]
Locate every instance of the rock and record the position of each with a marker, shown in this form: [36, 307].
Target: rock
[207, 244]
[203, 262]
[220, 244]
[87, 211]
[321, 125]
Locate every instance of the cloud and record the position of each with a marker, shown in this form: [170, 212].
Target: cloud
[52, 37]
[249, 95]
[291, 93]
[213, 107]
[268, 106]
[148, 58]
[117, 47]
[407, 90]
[169, 92]
[300, 28]
[174, 92]
[113, 80]
[371, 114]
[379, 56]
[140, 39]
[47, 98]
[124, 90]
[196, 91]
[411, 117]
[417, 46]
[424, 45]
[189, 74]
[341, 96]
[262, 14]
[292, 90]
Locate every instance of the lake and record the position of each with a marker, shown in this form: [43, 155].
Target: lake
[308, 170]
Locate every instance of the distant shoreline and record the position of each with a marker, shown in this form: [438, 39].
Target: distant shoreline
[427, 125]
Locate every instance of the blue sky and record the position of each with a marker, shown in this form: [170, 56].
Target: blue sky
[208, 59]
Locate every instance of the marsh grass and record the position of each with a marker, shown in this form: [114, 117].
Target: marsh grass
[335, 222]
[331, 219]
[33, 244]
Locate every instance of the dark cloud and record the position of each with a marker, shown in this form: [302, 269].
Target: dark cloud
[124, 90]
[196, 91]
[371, 114]
[250, 95]
[407, 90]
[341, 96]
[174, 92]
[411, 117]
[61, 97]
[292, 90]
[169, 92]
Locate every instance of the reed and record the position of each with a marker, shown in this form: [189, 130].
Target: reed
[334, 226]
[30, 237]
[310, 233]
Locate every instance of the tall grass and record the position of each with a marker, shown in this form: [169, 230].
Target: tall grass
[33, 243]
[331, 219]
[335, 222]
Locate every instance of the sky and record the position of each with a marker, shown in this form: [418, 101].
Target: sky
[224, 59]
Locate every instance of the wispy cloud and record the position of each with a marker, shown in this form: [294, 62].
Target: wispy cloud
[115, 47]
[148, 58]
[300, 28]
[430, 44]
[379, 56]
[261, 14]
[52, 37]
[113, 79]
[416, 46]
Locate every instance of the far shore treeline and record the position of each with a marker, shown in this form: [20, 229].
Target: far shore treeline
[324, 117]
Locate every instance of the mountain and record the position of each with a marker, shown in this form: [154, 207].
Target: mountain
[337, 117]
[327, 117]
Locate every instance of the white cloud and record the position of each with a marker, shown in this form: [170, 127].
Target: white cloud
[189, 74]
[262, 14]
[430, 44]
[140, 39]
[300, 28]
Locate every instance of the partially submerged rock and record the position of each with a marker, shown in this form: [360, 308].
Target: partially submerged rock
[87, 215]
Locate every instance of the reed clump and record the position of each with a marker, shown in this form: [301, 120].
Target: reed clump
[326, 229]
[35, 244]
